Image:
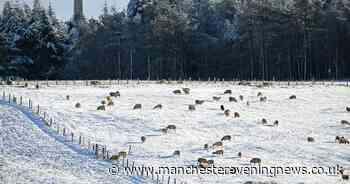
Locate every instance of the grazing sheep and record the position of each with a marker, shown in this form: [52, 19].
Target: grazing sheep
[67, 97]
[110, 103]
[232, 99]
[218, 152]
[164, 130]
[241, 97]
[177, 92]
[191, 108]
[310, 139]
[259, 94]
[206, 146]
[211, 162]
[101, 108]
[218, 144]
[108, 98]
[226, 138]
[95, 83]
[77, 105]
[263, 99]
[159, 106]
[171, 127]
[222, 107]
[228, 91]
[348, 109]
[202, 162]
[239, 154]
[103, 102]
[275, 123]
[137, 106]
[293, 97]
[344, 122]
[345, 176]
[122, 154]
[114, 157]
[341, 140]
[255, 161]
[199, 102]
[143, 139]
[186, 90]
[236, 115]
[176, 153]
[227, 112]
[114, 94]
[264, 121]
[216, 98]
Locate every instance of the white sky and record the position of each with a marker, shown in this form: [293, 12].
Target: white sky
[64, 8]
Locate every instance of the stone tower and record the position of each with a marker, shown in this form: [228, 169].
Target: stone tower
[78, 10]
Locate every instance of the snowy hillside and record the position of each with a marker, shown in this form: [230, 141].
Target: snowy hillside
[316, 112]
[29, 155]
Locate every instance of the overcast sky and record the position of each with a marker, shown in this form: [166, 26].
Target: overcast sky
[64, 8]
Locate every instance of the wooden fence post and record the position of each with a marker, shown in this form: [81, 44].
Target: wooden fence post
[168, 179]
[50, 122]
[3, 95]
[79, 139]
[72, 135]
[21, 100]
[9, 98]
[96, 150]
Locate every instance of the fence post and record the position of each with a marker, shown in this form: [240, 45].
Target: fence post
[96, 150]
[72, 135]
[9, 98]
[50, 122]
[64, 132]
[168, 179]
[79, 139]
[38, 111]
[21, 100]
[3, 96]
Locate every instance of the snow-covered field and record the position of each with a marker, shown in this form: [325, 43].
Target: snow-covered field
[316, 112]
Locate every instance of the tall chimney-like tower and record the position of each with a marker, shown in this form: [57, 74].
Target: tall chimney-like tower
[78, 10]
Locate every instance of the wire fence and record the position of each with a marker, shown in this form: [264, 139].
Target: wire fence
[99, 151]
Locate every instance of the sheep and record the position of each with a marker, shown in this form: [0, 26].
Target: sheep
[341, 140]
[37, 86]
[206, 146]
[137, 106]
[77, 105]
[218, 145]
[191, 108]
[232, 99]
[275, 123]
[259, 94]
[143, 139]
[228, 91]
[344, 122]
[103, 102]
[122, 154]
[239, 154]
[236, 115]
[95, 83]
[226, 138]
[264, 121]
[177, 92]
[203, 163]
[159, 106]
[310, 139]
[114, 157]
[263, 99]
[110, 103]
[241, 97]
[176, 153]
[218, 152]
[108, 98]
[222, 107]
[343, 175]
[101, 108]
[186, 90]
[164, 130]
[171, 127]
[227, 112]
[114, 94]
[348, 109]
[293, 97]
[199, 102]
[255, 161]
[67, 97]
[216, 98]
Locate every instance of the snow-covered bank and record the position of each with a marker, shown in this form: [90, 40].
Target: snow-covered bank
[29, 155]
[316, 112]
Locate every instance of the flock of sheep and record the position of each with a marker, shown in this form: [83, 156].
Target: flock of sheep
[216, 148]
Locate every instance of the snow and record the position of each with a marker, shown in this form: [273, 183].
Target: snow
[29, 155]
[316, 112]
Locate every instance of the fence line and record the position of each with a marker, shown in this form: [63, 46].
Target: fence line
[99, 151]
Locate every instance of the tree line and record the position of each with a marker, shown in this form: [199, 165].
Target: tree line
[181, 39]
